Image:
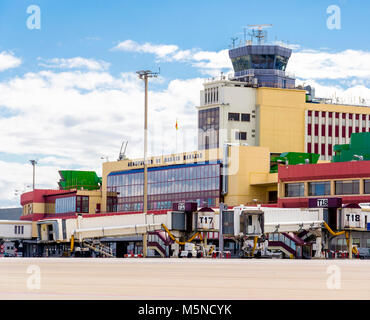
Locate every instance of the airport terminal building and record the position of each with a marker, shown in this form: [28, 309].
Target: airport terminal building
[257, 133]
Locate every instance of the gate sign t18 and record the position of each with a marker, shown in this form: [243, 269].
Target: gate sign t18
[353, 219]
[322, 203]
[325, 202]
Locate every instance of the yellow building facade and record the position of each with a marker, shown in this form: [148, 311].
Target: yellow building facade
[248, 172]
[284, 118]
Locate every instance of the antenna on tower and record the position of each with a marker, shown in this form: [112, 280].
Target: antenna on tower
[233, 39]
[259, 32]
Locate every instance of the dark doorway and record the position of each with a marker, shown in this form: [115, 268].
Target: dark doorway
[50, 232]
[121, 249]
[332, 218]
[272, 197]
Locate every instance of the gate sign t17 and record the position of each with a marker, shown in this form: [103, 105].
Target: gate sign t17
[206, 221]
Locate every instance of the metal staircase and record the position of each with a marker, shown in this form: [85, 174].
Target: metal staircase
[285, 242]
[158, 242]
[97, 246]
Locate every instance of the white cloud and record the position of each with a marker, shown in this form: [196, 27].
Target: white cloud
[70, 119]
[75, 63]
[8, 61]
[313, 64]
[161, 50]
[358, 94]
[16, 177]
[304, 63]
[209, 62]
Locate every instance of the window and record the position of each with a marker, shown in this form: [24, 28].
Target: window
[208, 128]
[15, 229]
[356, 242]
[246, 117]
[368, 243]
[66, 204]
[367, 186]
[319, 188]
[234, 116]
[294, 189]
[82, 204]
[347, 187]
[342, 245]
[240, 136]
[168, 185]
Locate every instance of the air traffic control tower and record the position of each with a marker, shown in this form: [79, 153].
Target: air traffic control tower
[260, 64]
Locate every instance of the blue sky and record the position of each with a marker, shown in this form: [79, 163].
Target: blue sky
[69, 94]
[90, 28]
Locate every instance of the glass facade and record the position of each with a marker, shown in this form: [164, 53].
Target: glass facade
[367, 186]
[208, 128]
[65, 205]
[321, 188]
[347, 187]
[259, 61]
[194, 182]
[294, 189]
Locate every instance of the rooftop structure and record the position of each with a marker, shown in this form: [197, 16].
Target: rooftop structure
[73, 179]
[357, 149]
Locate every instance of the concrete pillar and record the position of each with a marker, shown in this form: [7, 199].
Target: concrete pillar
[145, 245]
[350, 245]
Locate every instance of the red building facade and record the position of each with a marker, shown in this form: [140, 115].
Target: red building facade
[347, 180]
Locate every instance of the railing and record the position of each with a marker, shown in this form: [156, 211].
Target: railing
[283, 240]
[156, 240]
[98, 247]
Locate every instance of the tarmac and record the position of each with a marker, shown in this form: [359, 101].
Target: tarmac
[163, 279]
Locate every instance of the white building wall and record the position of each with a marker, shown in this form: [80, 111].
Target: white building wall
[232, 98]
[8, 229]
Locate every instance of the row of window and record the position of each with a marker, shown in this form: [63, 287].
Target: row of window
[246, 117]
[332, 131]
[168, 187]
[200, 182]
[114, 206]
[18, 229]
[165, 175]
[322, 188]
[341, 244]
[72, 204]
[282, 238]
[335, 115]
[336, 121]
[259, 61]
[211, 95]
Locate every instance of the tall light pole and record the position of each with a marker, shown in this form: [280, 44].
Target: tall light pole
[33, 162]
[144, 75]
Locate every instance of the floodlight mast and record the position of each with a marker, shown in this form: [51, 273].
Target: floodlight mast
[144, 75]
[33, 162]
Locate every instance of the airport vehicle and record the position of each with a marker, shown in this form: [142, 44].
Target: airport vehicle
[364, 253]
[8, 249]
